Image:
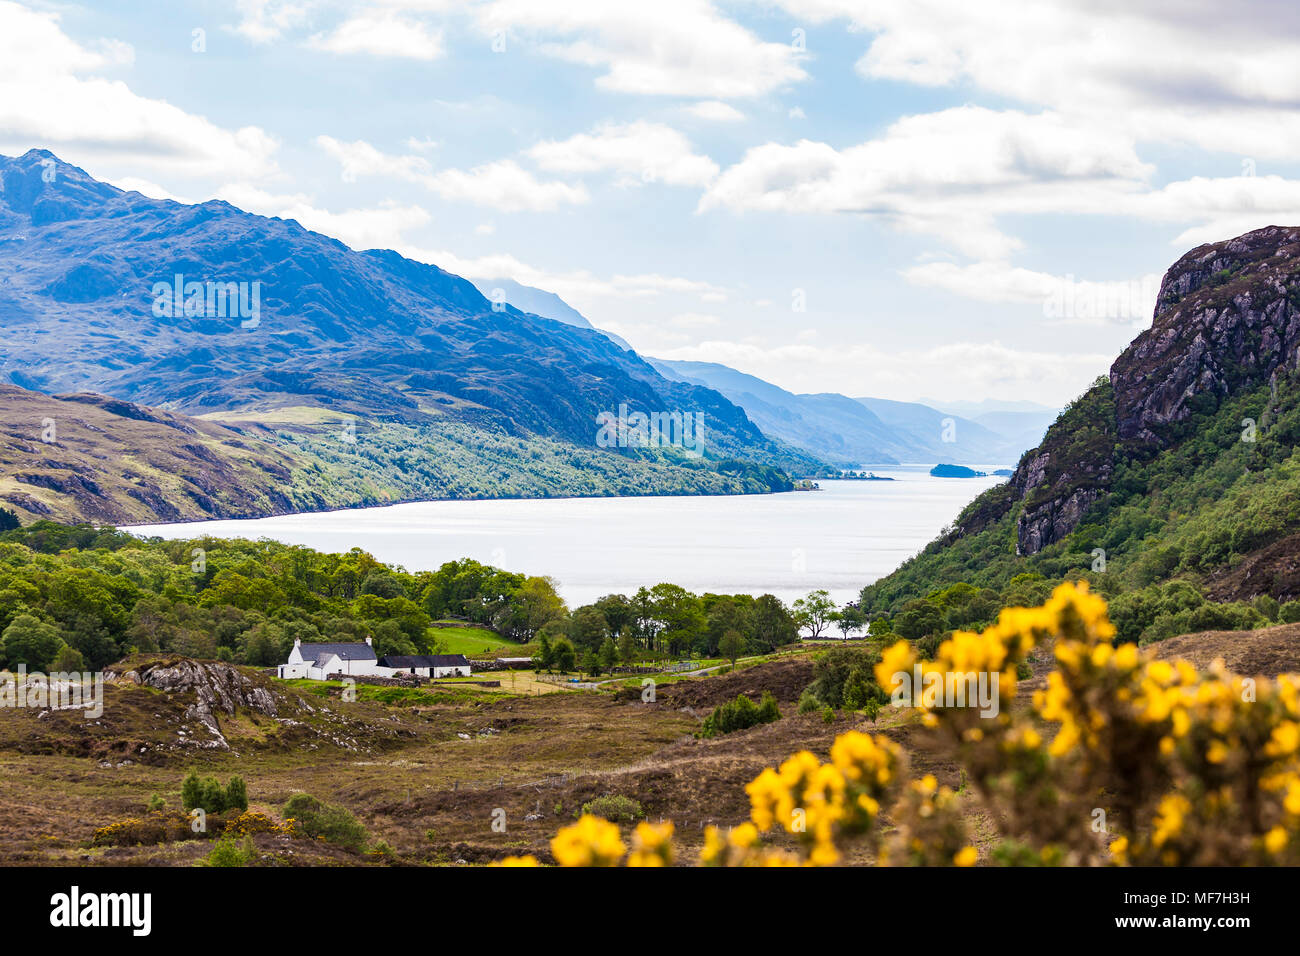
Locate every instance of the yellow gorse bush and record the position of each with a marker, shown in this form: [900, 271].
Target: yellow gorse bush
[252, 821]
[1122, 759]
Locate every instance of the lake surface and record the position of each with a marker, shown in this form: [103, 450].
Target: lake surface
[840, 538]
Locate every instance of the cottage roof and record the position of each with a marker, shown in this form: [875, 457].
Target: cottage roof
[360, 651]
[424, 660]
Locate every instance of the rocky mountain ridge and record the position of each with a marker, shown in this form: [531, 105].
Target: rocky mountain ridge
[1227, 319]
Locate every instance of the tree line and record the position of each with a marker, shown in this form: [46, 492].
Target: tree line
[84, 597]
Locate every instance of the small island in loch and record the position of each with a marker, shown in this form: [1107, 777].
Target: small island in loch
[956, 471]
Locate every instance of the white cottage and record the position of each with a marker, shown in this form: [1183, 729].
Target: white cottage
[318, 661]
[425, 665]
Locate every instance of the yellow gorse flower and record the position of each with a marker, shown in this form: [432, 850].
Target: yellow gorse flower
[589, 842]
[652, 845]
[1203, 766]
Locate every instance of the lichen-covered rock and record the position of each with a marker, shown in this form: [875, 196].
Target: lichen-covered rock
[216, 687]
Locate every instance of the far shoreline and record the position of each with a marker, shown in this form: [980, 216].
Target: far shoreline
[415, 501]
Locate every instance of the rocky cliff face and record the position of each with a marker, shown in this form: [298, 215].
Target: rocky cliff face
[1227, 319]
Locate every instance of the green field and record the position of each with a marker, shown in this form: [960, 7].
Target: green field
[474, 641]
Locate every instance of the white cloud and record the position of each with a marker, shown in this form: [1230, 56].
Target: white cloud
[507, 186]
[693, 320]
[1071, 300]
[359, 159]
[581, 288]
[956, 369]
[382, 33]
[503, 185]
[382, 227]
[1221, 207]
[948, 174]
[50, 96]
[640, 151]
[715, 111]
[1177, 73]
[668, 48]
[262, 21]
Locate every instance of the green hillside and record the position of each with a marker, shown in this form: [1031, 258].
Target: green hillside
[1184, 510]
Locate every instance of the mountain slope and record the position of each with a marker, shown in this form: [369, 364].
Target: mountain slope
[1174, 482]
[97, 459]
[91, 458]
[85, 278]
[548, 305]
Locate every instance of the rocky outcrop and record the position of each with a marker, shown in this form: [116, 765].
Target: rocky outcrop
[1053, 520]
[1227, 318]
[216, 687]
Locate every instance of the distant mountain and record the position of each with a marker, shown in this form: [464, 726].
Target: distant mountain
[273, 323]
[1021, 430]
[548, 305]
[939, 436]
[850, 431]
[831, 426]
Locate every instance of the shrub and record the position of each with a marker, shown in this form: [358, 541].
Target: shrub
[325, 821]
[872, 709]
[229, 852]
[156, 803]
[808, 702]
[842, 677]
[250, 822]
[236, 794]
[191, 791]
[739, 714]
[158, 826]
[210, 796]
[615, 808]
[1289, 613]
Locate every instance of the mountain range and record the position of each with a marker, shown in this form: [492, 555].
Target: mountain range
[393, 374]
[367, 377]
[850, 432]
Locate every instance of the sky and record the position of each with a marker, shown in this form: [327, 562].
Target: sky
[888, 198]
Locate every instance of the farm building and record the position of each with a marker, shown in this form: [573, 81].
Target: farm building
[425, 665]
[318, 661]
